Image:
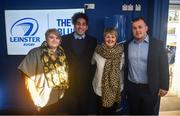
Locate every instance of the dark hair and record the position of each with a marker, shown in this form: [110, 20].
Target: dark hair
[78, 15]
[139, 18]
[54, 31]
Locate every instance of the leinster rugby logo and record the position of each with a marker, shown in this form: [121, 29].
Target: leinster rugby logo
[25, 27]
[24, 31]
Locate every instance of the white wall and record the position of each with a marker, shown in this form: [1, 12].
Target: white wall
[175, 88]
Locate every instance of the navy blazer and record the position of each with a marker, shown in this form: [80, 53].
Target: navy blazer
[157, 66]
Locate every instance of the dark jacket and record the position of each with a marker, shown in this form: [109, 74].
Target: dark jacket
[81, 72]
[157, 66]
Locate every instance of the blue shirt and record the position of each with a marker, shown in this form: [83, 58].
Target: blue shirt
[138, 56]
[76, 36]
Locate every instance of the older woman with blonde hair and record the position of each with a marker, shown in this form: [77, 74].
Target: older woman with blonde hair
[108, 79]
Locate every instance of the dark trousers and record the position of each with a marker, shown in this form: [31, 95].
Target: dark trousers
[57, 108]
[76, 104]
[106, 111]
[140, 100]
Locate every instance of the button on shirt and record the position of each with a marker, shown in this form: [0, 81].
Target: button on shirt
[138, 56]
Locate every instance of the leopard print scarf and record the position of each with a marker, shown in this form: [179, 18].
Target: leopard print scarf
[56, 71]
[111, 75]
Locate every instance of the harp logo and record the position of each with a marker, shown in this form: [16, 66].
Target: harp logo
[24, 31]
[25, 27]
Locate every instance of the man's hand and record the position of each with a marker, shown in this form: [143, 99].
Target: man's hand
[162, 92]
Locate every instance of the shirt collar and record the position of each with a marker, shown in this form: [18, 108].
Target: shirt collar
[76, 36]
[146, 40]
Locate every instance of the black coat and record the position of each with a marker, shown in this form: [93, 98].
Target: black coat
[157, 66]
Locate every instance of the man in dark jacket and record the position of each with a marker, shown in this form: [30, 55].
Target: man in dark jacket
[79, 48]
[147, 74]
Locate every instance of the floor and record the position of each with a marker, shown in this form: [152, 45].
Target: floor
[170, 105]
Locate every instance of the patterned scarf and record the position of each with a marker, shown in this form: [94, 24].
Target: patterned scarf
[111, 75]
[56, 70]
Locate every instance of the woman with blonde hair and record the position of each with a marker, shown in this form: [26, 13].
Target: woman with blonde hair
[108, 79]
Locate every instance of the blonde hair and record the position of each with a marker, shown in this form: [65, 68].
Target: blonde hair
[110, 30]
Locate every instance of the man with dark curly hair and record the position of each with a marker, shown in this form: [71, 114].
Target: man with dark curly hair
[79, 48]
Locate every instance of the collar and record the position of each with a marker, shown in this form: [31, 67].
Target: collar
[146, 40]
[76, 36]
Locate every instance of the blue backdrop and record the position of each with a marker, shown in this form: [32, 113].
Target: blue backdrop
[13, 96]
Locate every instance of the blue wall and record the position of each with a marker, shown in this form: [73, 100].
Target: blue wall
[12, 90]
